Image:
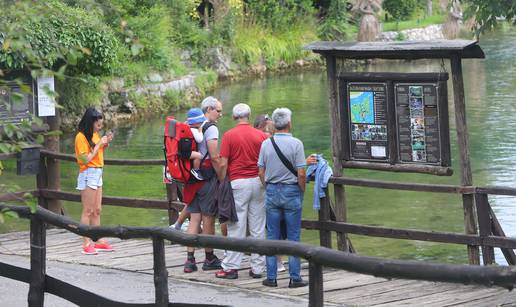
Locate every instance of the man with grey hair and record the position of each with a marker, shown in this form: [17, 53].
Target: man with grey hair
[239, 150]
[201, 196]
[281, 169]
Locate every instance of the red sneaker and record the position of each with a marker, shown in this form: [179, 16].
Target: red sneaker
[104, 247]
[89, 250]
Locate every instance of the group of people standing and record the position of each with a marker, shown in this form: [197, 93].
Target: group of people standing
[262, 167]
[267, 180]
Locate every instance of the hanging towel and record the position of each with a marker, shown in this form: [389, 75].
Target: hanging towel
[320, 173]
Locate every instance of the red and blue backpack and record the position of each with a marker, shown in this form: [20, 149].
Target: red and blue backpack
[178, 144]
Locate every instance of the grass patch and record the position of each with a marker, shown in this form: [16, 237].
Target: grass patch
[253, 44]
[414, 23]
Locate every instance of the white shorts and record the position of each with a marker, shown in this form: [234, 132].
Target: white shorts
[90, 177]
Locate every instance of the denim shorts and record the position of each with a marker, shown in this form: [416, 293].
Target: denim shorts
[90, 177]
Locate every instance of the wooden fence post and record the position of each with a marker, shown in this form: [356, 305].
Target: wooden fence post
[36, 297]
[172, 196]
[463, 144]
[324, 216]
[336, 141]
[42, 181]
[484, 226]
[315, 279]
[53, 168]
[160, 272]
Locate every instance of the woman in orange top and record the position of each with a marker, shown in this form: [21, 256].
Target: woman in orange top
[89, 151]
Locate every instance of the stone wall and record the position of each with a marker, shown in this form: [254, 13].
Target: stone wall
[428, 33]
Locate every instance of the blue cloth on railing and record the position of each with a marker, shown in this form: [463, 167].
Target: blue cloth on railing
[320, 173]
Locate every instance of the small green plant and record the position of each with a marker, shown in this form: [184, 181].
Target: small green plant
[400, 36]
[172, 100]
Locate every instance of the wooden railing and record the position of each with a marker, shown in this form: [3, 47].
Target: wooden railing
[316, 256]
[490, 234]
[490, 231]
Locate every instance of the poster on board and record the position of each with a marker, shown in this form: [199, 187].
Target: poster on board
[46, 102]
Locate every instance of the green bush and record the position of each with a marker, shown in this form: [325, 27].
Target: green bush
[400, 9]
[60, 32]
[253, 44]
[335, 24]
[75, 94]
[279, 15]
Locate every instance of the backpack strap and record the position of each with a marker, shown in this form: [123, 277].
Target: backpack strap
[205, 127]
[283, 159]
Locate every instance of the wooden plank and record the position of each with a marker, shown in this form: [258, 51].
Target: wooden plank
[348, 294]
[115, 201]
[450, 296]
[435, 49]
[403, 168]
[407, 186]
[353, 281]
[506, 298]
[397, 296]
[67, 157]
[395, 233]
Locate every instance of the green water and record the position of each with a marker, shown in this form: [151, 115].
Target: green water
[490, 97]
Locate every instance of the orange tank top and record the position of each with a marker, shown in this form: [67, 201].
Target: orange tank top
[83, 148]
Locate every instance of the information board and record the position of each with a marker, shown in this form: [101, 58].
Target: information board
[395, 118]
[367, 105]
[15, 105]
[417, 117]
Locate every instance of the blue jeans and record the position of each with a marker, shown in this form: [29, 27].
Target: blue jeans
[283, 202]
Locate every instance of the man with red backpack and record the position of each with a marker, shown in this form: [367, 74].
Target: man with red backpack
[201, 196]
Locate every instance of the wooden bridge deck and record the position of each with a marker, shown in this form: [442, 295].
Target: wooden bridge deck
[340, 287]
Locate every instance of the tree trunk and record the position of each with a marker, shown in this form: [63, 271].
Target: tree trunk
[428, 8]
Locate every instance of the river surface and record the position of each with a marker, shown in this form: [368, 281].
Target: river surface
[490, 87]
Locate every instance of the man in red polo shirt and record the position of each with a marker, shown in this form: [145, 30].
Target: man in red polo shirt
[239, 150]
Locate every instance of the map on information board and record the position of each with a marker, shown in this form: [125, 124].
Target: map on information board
[362, 107]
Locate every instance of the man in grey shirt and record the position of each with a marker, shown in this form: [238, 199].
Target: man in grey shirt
[284, 188]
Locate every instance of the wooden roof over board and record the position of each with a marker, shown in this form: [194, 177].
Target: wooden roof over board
[466, 49]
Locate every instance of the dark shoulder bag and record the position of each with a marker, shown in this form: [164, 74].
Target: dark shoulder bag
[283, 159]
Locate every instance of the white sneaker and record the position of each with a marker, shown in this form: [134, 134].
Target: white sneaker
[279, 264]
[196, 174]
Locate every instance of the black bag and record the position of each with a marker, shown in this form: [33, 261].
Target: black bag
[283, 159]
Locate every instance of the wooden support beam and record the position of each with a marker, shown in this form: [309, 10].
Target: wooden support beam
[36, 297]
[336, 141]
[484, 225]
[315, 279]
[463, 144]
[160, 272]
[497, 230]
